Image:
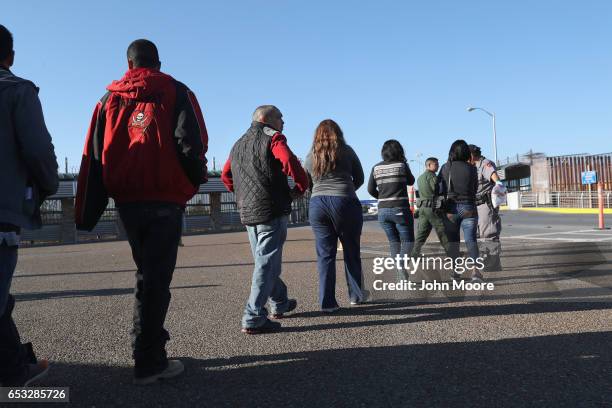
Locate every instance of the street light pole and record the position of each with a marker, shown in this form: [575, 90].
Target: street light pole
[494, 140]
[419, 161]
[492, 115]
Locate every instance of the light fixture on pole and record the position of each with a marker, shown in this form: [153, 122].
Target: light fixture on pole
[418, 159]
[492, 115]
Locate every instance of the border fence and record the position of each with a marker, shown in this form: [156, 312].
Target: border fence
[212, 209]
[564, 199]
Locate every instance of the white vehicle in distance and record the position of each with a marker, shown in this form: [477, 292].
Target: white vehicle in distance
[373, 210]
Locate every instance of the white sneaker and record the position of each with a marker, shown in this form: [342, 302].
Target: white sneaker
[175, 367]
[330, 309]
[365, 296]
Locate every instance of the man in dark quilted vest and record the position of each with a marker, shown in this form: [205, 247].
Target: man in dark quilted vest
[256, 172]
[145, 149]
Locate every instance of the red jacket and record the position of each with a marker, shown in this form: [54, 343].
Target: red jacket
[146, 142]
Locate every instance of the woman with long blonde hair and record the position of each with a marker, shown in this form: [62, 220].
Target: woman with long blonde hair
[335, 213]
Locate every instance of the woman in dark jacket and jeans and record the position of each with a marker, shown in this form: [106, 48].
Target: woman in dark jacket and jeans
[460, 181]
[335, 174]
[389, 181]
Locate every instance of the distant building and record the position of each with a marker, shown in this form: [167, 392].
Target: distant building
[538, 173]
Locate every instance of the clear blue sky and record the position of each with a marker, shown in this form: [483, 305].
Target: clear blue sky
[384, 69]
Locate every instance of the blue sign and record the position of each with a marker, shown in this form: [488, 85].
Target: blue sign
[589, 177]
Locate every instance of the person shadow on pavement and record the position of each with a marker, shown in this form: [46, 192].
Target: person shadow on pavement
[555, 370]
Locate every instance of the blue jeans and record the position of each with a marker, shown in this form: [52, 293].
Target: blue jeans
[334, 218]
[398, 224]
[464, 216]
[267, 242]
[13, 358]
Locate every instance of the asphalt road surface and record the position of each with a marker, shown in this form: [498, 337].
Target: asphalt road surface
[542, 337]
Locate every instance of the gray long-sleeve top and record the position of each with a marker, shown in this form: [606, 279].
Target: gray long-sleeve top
[344, 180]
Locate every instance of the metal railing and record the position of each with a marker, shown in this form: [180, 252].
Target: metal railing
[564, 199]
[207, 211]
[51, 212]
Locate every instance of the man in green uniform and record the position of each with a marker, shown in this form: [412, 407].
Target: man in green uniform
[429, 215]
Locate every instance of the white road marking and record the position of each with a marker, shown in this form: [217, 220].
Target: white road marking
[554, 233]
[369, 251]
[557, 239]
[594, 233]
[577, 236]
[570, 236]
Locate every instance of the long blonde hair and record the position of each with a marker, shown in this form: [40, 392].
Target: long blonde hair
[328, 140]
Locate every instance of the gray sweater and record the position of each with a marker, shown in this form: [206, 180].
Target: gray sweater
[344, 180]
[28, 167]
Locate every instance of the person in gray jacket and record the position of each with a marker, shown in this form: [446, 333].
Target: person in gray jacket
[489, 220]
[28, 174]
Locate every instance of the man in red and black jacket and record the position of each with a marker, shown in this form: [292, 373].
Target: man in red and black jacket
[256, 172]
[145, 149]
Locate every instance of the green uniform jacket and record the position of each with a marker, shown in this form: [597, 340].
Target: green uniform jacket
[427, 185]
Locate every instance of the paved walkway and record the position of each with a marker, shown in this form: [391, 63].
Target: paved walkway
[542, 338]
